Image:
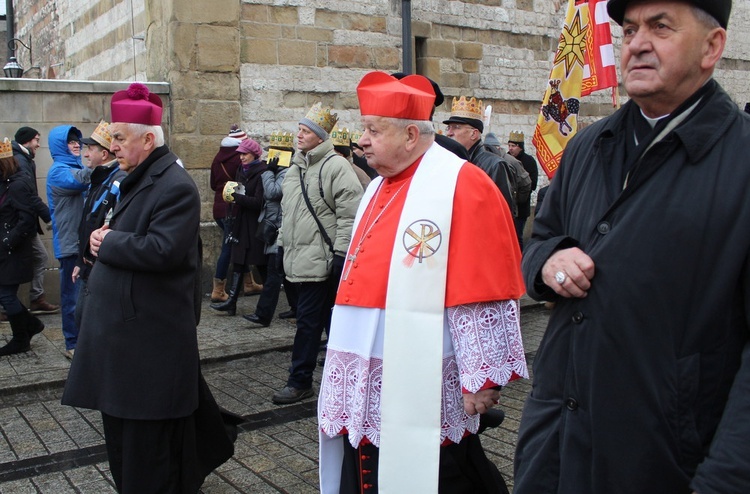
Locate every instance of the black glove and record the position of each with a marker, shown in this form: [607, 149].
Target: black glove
[273, 165]
[338, 267]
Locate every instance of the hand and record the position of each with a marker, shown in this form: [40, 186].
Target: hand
[481, 401]
[577, 267]
[76, 274]
[96, 238]
[273, 165]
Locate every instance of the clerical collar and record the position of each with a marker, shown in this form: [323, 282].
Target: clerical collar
[653, 121]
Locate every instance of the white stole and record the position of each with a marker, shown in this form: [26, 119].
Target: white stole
[413, 345]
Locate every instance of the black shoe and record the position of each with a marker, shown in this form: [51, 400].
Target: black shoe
[253, 318]
[290, 314]
[291, 395]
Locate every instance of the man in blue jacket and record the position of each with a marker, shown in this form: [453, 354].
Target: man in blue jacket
[67, 182]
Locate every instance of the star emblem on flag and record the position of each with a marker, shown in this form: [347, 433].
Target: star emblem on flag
[572, 45]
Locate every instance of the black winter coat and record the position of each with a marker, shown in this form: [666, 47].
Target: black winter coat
[137, 352]
[492, 165]
[27, 165]
[643, 386]
[17, 229]
[248, 249]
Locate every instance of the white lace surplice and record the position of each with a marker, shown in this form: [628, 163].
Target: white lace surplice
[481, 342]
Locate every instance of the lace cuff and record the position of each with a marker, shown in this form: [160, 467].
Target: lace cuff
[487, 341]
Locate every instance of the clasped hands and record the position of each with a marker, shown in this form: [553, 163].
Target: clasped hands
[96, 238]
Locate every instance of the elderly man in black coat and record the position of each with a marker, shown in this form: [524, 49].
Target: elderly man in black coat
[642, 380]
[135, 362]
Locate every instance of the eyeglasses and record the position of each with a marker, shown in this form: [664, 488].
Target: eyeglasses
[74, 141]
[455, 126]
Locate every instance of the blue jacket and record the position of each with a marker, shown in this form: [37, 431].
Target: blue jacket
[67, 182]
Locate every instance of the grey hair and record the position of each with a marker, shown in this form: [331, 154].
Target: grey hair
[704, 18]
[425, 127]
[143, 129]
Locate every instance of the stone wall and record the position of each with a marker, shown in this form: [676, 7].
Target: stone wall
[44, 105]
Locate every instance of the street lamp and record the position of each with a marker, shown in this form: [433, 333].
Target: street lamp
[13, 68]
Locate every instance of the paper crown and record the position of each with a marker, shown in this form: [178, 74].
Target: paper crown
[471, 108]
[383, 95]
[516, 136]
[100, 136]
[281, 140]
[322, 117]
[355, 136]
[136, 105]
[340, 137]
[6, 149]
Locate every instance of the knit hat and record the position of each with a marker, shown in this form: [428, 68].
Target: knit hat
[718, 9]
[492, 140]
[320, 120]
[382, 95]
[136, 105]
[250, 146]
[234, 138]
[237, 133]
[25, 134]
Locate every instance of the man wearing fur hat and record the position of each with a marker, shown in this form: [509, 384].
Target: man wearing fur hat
[425, 328]
[320, 197]
[136, 362]
[641, 381]
[465, 126]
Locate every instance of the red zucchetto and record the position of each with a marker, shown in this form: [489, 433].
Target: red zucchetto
[136, 104]
[382, 95]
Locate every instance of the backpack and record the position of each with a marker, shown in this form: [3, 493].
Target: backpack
[518, 178]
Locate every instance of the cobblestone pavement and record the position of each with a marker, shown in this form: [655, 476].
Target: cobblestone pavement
[48, 448]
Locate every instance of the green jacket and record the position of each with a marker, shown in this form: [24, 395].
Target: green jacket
[307, 257]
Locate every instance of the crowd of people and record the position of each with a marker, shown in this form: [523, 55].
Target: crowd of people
[374, 237]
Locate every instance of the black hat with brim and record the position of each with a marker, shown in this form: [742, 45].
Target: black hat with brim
[718, 9]
[474, 122]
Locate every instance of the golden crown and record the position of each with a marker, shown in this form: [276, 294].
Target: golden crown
[340, 137]
[6, 149]
[516, 136]
[355, 136]
[322, 117]
[281, 140]
[471, 108]
[101, 135]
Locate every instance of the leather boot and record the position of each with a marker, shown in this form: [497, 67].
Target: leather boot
[230, 305]
[19, 343]
[218, 294]
[251, 287]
